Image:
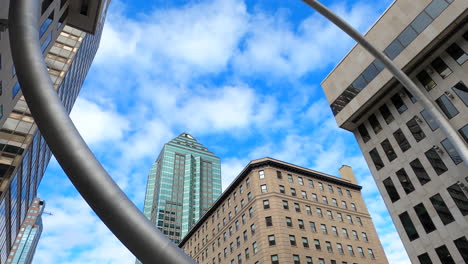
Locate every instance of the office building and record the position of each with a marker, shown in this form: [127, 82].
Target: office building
[183, 183]
[69, 33]
[26, 241]
[276, 212]
[418, 171]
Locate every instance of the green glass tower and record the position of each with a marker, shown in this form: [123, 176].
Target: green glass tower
[182, 185]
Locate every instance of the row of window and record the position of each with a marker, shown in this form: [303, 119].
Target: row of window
[394, 49]
[344, 205]
[300, 181]
[297, 260]
[444, 254]
[441, 209]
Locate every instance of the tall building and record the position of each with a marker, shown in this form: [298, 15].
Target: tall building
[276, 212]
[183, 183]
[69, 32]
[419, 173]
[28, 236]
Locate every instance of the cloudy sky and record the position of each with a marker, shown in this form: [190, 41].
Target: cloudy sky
[241, 76]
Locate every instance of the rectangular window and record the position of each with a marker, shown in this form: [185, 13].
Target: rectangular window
[398, 103]
[448, 146]
[285, 205]
[405, 181]
[271, 240]
[442, 209]
[375, 124]
[431, 122]
[300, 223]
[462, 246]
[304, 194]
[388, 149]
[446, 106]
[263, 188]
[364, 133]
[462, 91]
[281, 189]
[457, 53]
[421, 22]
[364, 236]
[378, 163]
[274, 259]
[312, 226]
[324, 229]
[266, 204]
[290, 178]
[293, 192]
[319, 212]
[324, 200]
[401, 140]
[350, 250]
[435, 161]
[344, 232]
[441, 68]
[329, 246]
[386, 114]
[424, 259]
[358, 219]
[424, 218]
[296, 259]
[305, 242]
[292, 240]
[279, 175]
[420, 172]
[407, 36]
[426, 80]
[317, 244]
[444, 255]
[288, 221]
[297, 207]
[261, 174]
[459, 198]
[350, 219]
[408, 226]
[340, 248]
[300, 180]
[394, 49]
[415, 129]
[268, 221]
[320, 186]
[311, 183]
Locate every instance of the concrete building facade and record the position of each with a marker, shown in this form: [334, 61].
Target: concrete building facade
[69, 32]
[26, 241]
[276, 212]
[417, 170]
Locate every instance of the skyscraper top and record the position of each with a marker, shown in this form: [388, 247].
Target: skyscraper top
[187, 141]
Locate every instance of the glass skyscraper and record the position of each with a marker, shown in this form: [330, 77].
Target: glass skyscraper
[182, 185]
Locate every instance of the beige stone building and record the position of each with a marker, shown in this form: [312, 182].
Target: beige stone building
[417, 170]
[276, 212]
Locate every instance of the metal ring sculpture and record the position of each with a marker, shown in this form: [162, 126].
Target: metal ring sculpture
[104, 196]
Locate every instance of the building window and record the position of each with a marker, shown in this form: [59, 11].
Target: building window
[442, 209]
[304, 194]
[415, 129]
[350, 250]
[435, 161]
[314, 197]
[247, 183]
[330, 188]
[317, 244]
[408, 226]
[426, 80]
[263, 187]
[350, 219]
[285, 205]
[274, 259]
[320, 186]
[290, 178]
[279, 175]
[242, 203]
[424, 218]
[378, 163]
[340, 248]
[305, 242]
[457, 53]
[364, 236]
[462, 246]
[424, 259]
[319, 212]
[386, 114]
[281, 189]
[288, 221]
[355, 235]
[459, 198]
[321, 261]
[462, 91]
[447, 106]
[431, 122]
[371, 253]
[330, 214]
[297, 207]
[344, 232]
[441, 68]
[293, 192]
[252, 229]
[251, 212]
[444, 255]
[249, 196]
[266, 204]
[308, 260]
[405, 181]
[243, 219]
[312, 226]
[324, 229]
[231, 246]
[334, 202]
[375, 124]
[300, 180]
[238, 241]
[340, 217]
[261, 174]
[300, 223]
[247, 253]
[271, 240]
[245, 235]
[296, 259]
[324, 200]
[268, 221]
[364, 133]
[420, 172]
[344, 205]
[450, 149]
[308, 210]
[358, 219]
[360, 251]
[311, 183]
[329, 246]
[353, 206]
[401, 140]
[388, 150]
[334, 230]
[255, 248]
[292, 240]
[398, 103]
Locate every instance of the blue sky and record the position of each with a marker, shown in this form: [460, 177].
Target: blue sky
[243, 77]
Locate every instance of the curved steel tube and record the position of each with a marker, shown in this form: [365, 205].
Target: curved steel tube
[428, 104]
[104, 196]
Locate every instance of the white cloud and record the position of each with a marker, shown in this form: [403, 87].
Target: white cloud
[98, 123]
